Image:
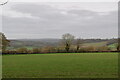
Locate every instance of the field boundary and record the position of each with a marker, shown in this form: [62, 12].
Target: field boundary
[60, 79]
[61, 52]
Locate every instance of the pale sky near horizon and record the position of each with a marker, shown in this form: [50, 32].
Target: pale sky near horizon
[52, 19]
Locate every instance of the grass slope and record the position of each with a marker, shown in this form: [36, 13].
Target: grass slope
[61, 65]
[96, 44]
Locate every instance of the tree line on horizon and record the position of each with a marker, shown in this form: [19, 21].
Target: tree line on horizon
[67, 46]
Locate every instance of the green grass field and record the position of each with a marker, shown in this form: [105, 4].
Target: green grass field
[96, 44]
[61, 65]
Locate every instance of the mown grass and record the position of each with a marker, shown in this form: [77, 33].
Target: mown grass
[61, 65]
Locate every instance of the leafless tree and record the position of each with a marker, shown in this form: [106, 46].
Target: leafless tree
[78, 43]
[118, 46]
[67, 40]
[3, 3]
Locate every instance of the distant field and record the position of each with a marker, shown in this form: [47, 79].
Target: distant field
[61, 65]
[113, 45]
[96, 44]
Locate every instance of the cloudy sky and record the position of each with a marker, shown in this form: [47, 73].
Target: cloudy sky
[52, 19]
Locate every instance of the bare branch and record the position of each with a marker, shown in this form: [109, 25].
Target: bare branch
[3, 3]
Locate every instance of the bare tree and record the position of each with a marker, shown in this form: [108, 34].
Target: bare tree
[3, 2]
[3, 42]
[78, 43]
[67, 40]
[118, 46]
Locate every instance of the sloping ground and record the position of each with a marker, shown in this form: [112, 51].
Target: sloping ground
[96, 44]
[99, 44]
[113, 46]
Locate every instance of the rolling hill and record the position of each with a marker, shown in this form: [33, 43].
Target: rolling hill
[35, 43]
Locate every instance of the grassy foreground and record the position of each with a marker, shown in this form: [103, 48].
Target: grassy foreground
[61, 65]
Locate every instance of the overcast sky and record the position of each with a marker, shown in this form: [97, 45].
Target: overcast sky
[52, 20]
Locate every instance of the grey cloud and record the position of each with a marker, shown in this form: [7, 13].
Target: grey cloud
[83, 12]
[35, 9]
[52, 23]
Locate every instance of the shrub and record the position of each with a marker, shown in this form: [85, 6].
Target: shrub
[89, 48]
[103, 48]
[22, 50]
[36, 50]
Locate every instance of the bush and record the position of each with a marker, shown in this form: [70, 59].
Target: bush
[103, 48]
[48, 49]
[89, 48]
[22, 50]
[36, 50]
